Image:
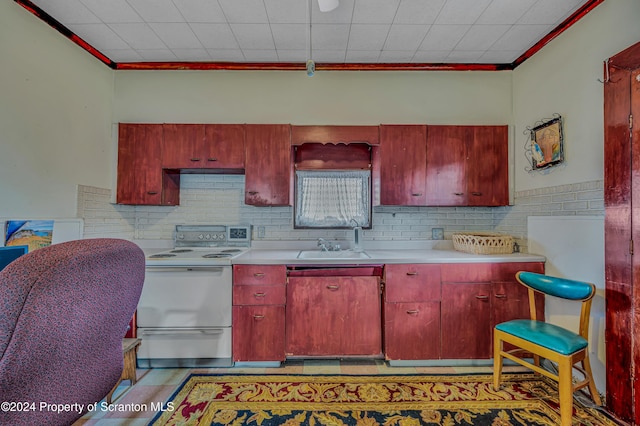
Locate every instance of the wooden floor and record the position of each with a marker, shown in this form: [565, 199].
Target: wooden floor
[131, 405]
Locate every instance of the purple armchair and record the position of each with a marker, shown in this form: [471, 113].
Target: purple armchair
[64, 310]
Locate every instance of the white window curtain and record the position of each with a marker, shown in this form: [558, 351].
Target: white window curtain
[332, 199]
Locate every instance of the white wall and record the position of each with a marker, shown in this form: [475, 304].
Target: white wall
[562, 78]
[55, 118]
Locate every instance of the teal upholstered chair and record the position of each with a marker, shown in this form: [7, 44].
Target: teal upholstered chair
[543, 340]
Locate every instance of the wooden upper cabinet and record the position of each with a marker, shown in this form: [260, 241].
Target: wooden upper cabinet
[467, 166]
[334, 134]
[141, 180]
[403, 162]
[203, 146]
[268, 157]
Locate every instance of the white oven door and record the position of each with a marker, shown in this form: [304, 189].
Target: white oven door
[186, 297]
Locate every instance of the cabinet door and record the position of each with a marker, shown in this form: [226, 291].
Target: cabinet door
[258, 333]
[412, 330]
[466, 321]
[487, 167]
[333, 316]
[403, 156]
[446, 165]
[268, 164]
[223, 146]
[183, 146]
[141, 180]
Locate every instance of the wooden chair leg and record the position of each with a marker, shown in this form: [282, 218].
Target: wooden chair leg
[565, 389]
[586, 365]
[497, 362]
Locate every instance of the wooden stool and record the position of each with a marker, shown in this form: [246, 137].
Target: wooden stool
[129, 352]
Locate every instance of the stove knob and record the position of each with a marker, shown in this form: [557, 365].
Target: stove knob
[201, 237]
[181, 236]
[207, 237]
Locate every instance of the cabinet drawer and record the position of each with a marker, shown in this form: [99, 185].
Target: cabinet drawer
[259, 274]
[467, 272]
[507, 271]
[259, 295]
[411, 283]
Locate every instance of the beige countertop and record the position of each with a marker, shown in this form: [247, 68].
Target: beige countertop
[376, 256]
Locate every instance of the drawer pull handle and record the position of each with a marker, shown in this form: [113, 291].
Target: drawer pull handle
[259, 294]
[258, 317]
[412, 273]
[413, 312]
[195, 159]
[501, 296]
[458, 193]
[252, 192]
[482, 297]
[416, 194]
[333, 287]
[152, 192]
[258, 274]
[212, 159]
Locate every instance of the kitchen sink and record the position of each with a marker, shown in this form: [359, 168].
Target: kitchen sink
[346, 254]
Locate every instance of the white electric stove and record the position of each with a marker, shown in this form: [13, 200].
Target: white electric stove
[184, 313]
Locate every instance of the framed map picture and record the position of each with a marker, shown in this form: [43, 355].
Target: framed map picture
[547, 144]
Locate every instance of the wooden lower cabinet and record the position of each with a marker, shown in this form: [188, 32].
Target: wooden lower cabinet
[258, 333]
[333, 316]
[259, 298]
[412, 330]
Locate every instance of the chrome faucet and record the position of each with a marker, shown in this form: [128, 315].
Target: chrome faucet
[357, 240]
[322, 243]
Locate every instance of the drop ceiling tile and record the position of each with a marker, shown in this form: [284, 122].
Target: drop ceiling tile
[287, 11]
[157, 10]
[504, 11]
[192, 55]
[122, 55]
[521, 37]
[113, 11]
[430, 56]
[340, 15]
[215, 36]
[330, 37]
[226, 55]
[99, 36]
[481, 37]
[418, 11]
[396, 56]
[260, 55]
[465, 56]
[153, 55]
[200, 11]
[374, 11]
[548, 12]
[253, 36]
[368, 36]
[285, 55]
[244, 11]
[68, 11]
[176, 35]
[290, 36]
[500, 56]
[443, 37]
[405, 37]
[139, 36]
[363, 56]
[329, 56]
[461, 11]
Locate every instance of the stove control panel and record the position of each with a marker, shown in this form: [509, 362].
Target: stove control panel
[213, 235]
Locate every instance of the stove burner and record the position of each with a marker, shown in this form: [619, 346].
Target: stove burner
[161, 255]
[181, 251]
[216, 255]
[231, 251]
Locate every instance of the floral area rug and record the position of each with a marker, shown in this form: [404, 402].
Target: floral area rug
[402, 400]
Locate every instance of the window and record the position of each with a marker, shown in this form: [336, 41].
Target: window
[332, 199]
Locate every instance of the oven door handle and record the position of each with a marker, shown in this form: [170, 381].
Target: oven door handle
[182, 332]
[217, 269]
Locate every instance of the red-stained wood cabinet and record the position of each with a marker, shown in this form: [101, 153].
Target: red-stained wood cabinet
[268, 164]
[204, 146]
[141, 179]
[328, 316]
[412, 312]
[259, 297]
[467, 166]
[403, 162]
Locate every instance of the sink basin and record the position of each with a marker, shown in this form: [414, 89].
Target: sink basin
[318, 254]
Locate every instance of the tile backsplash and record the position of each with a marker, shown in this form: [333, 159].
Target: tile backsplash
[219, 199]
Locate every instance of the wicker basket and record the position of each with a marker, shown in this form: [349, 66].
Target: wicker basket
[482, 243]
